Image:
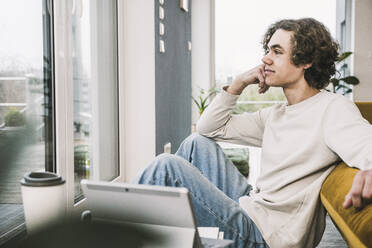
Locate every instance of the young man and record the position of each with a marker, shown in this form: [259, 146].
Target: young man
[302, 141]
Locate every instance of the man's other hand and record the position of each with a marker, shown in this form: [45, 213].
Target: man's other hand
[253, 76]
[360, 193]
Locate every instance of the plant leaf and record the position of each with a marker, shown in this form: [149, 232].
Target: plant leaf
[335, 81]
[347, 91]
[350, 80]
[343, 56]
[343, 67]
[210, 94]
[196, 102]
[203, 103]
[341, 86]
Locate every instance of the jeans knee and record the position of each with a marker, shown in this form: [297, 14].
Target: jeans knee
[196, 138]
[164, 157]
[166, 161]
[163, 166]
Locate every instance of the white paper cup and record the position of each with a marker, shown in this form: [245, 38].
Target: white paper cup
[44, 201]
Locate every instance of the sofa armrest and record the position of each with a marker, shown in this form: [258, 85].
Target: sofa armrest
[355, 226]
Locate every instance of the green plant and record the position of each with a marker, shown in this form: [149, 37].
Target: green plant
[240, 158]
[349, 80]
[201, 100]
[14, 118]
[77, 126]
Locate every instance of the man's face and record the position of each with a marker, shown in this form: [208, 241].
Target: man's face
[279, 70]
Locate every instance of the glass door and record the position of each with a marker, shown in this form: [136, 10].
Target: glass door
[27, 113]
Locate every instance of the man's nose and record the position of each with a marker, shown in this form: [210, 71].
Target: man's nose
[266, 59]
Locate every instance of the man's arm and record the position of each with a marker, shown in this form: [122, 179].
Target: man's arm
[350, 136]
[218, 122]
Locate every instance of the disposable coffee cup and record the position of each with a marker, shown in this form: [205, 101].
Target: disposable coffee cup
[44, 201]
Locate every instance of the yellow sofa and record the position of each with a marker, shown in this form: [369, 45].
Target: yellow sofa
[354, 226]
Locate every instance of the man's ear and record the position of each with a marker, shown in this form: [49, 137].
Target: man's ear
[307, 66]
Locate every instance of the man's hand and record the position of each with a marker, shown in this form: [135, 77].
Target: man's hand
[360, 193]
[253, 76]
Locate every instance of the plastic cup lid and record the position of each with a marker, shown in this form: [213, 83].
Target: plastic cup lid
[41, 179]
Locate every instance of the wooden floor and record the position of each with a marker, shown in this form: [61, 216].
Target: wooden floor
[11, 219]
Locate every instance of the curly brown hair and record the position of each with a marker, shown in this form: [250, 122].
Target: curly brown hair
[311, 44]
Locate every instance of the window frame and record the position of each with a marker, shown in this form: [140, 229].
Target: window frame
[64, 100]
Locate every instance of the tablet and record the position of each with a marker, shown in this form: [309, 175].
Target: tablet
[165, 211]
[138, 203]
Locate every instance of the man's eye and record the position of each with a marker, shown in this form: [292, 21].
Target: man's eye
[277, 52]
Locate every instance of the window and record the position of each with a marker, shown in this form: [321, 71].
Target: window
[58, 98]
[343, 35]
[239, 31]
[26, 103]
[95, 89]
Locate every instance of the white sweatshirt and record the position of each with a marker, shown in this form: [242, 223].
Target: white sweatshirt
[300, 145]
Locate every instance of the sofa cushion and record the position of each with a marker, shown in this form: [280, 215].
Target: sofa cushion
[366, 110]
[355, 226]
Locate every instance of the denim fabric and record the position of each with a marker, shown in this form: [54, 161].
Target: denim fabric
[215, 186]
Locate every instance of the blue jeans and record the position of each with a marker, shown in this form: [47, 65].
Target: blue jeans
[215, 186]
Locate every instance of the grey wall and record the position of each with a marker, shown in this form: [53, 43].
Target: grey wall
[172, 75]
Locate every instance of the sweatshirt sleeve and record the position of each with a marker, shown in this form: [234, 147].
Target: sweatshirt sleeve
[348, 134]
[218, 122]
